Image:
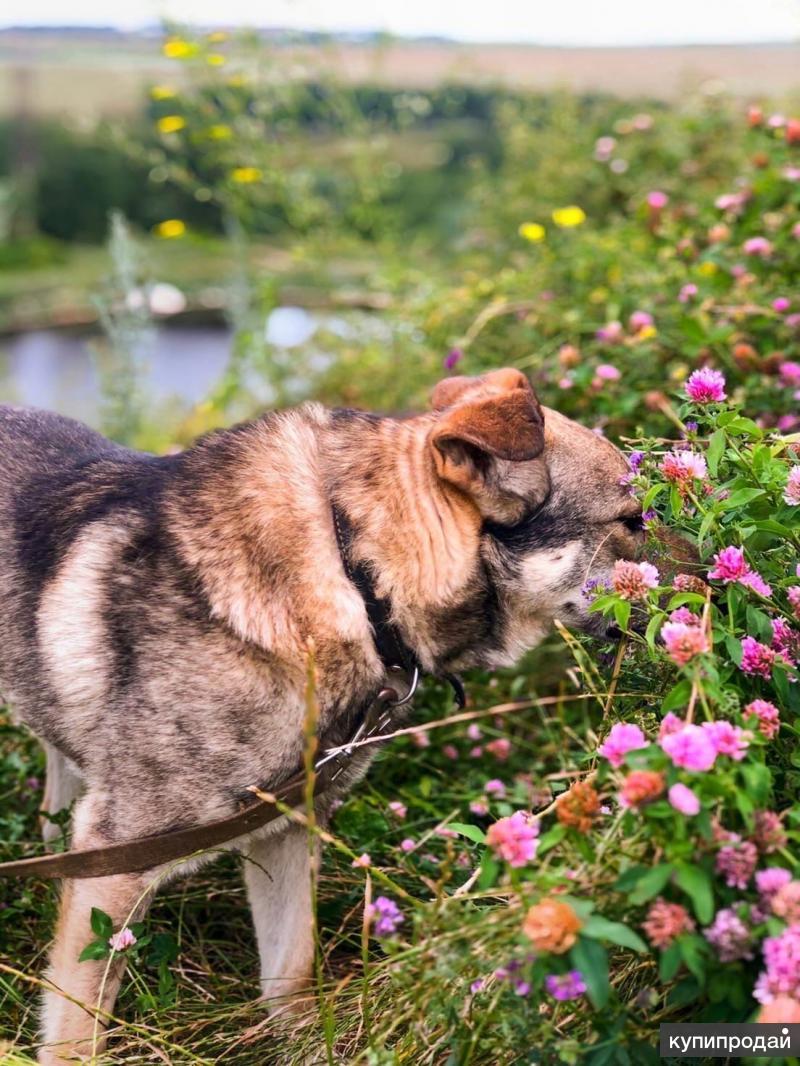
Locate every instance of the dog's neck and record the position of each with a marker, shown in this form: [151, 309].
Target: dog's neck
[279, 581]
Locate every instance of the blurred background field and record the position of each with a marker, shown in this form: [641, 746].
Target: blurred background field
[342, 176]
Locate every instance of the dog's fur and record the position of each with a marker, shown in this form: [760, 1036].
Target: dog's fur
[156, 615]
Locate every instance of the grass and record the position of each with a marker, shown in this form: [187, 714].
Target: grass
[370, 999]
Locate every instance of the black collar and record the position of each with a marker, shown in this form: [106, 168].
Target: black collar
[393, 651]
[389, 643]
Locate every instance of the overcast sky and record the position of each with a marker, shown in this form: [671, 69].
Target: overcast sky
[591, 22]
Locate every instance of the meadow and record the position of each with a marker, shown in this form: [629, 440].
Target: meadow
[607, 838]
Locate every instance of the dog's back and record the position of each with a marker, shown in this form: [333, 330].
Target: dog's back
[53, 473]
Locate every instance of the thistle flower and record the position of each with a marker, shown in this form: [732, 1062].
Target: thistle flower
[657, 199]
[632, 581]
[730, 936]
[640, 320]
[785, 640]
[122, 940]
[579, 806]
[687, 293]
[683, 467]
[758, 246]
[385, 916]
[665, 922]
[623, 737]
[691, 748]
[453, 358]
[514, 839]
[706, 386]
[641, 787]
[768, 832]
[610, 333]
[684, 800]
[736, 862]
[729, 565]
[500, 748]
[753, 580]
[683, 642]
[768, 881]
[781, 974]
[793, 596]
[757, 658]
[791, 493]
[689, 583]
[494, 787]
[551, 925]
[670, 723]
[728, 739]
[566, 985]
[768, 716]
[789, 373]
[607, 372]
[398, 809]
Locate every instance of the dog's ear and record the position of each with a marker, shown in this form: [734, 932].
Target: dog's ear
[488, 427]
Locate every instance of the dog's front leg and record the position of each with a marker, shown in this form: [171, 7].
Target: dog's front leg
[82, 993]
[278, 872]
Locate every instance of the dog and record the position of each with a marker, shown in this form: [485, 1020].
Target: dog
[157, 615]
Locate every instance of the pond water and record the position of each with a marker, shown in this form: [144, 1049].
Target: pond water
[180, 366]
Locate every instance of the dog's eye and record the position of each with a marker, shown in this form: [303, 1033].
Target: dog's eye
[634, 523]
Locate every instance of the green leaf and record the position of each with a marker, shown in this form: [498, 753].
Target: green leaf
[651, 494]
[490, 868]
[471, 832]
[599, 928]
[696, 883]
[678, 696]
[746, 427]
[552, 837]
[622, 614]
[101, 923]
[739, 498]
[691, 949]
[716, 449]
[670, 962]
[651, 883]
[591, 959]
[653, 626]
[98, 949]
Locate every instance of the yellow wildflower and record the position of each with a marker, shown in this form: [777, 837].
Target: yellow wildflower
[647, 333]
[163, 92]
[220, 132]
[170, 227]
[175, 48]
[215, 59]
[171, 123]
[707, 269]
[567, 217]
[217, 36]
[246, 175]
[532, 231]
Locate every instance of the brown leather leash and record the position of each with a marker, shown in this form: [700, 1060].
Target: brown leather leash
[147, 853]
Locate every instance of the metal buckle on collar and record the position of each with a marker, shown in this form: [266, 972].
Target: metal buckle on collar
[376, 719]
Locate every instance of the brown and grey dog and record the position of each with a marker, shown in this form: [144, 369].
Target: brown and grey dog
[156, 615]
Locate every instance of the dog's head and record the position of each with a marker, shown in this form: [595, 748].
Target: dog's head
[554, 513]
